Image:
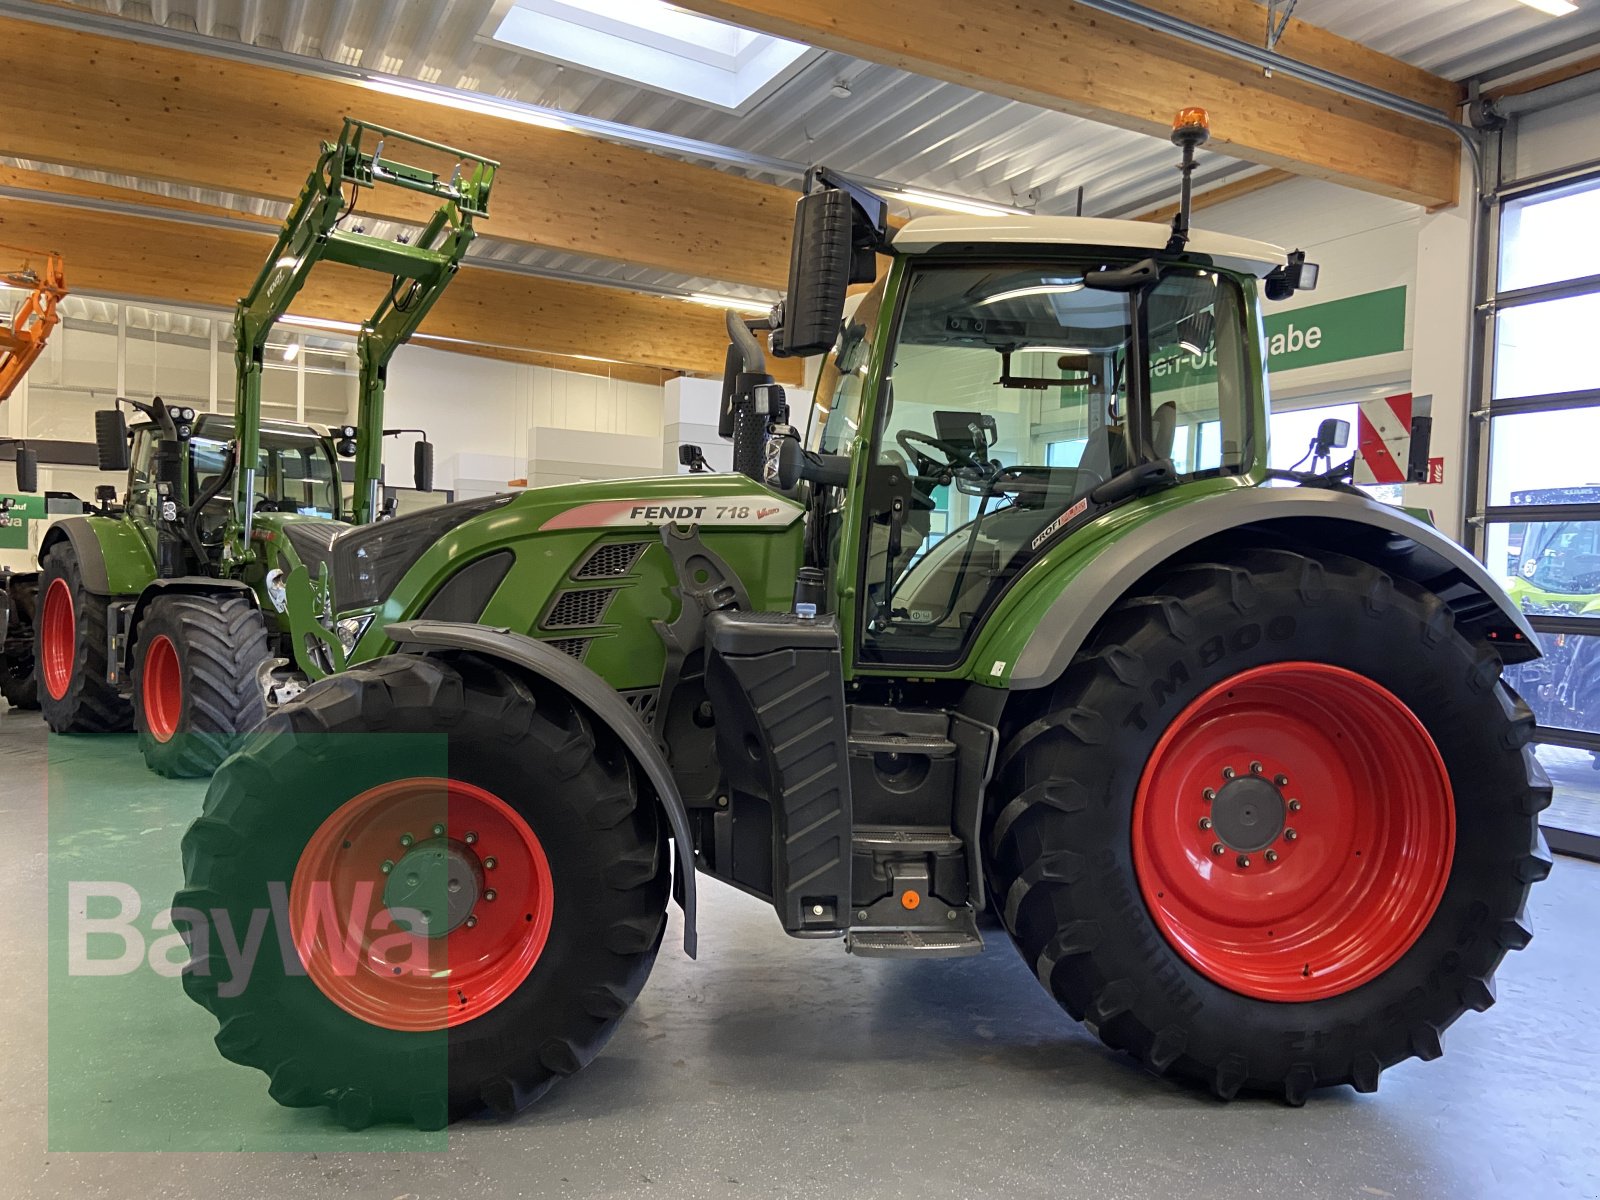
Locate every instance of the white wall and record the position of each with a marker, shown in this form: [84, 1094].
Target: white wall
[492, 422]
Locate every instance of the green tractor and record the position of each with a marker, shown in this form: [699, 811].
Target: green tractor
[166, 612]
[1024, 634]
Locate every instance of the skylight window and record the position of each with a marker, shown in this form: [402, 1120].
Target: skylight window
[653, 44]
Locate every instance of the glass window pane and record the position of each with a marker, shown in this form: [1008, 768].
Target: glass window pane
[1563, 687]
[1547, 347]
[1550, 237]
[1549, 566]
[1576, 774]
[331, 380]
[1531, 454]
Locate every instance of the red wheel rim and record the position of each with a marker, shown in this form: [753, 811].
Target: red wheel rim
[429, 842]
[162, 690]
[58, 640]
[1293, 831]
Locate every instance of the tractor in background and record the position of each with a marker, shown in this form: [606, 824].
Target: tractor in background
[165, 612]
[1024, 626]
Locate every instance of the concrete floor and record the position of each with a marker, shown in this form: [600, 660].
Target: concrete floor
[769, 1068]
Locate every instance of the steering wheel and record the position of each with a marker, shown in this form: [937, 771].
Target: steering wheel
[954, 455]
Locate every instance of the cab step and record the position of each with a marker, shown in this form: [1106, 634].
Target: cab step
[913, 943]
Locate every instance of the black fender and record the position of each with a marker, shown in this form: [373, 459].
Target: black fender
[603, 703]
[1316, 518]
[186, 585]
[77, 532]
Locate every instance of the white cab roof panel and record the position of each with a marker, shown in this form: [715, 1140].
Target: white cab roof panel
[1235, 253]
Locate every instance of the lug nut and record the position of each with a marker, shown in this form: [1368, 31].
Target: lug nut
[489, 864]
[1255, 768]
[1281, 780]
[472, 922]
[1294, 806]
[438, 831]
[489, 895]
[1218, 848]
[406, 839]
[1210, 794]
[1228, 772]
[1289, 835]
[1272, 856]
[470, 838]
[1205, 822]
[1243, 860]
[387, 866]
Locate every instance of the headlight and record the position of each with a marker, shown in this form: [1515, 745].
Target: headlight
[349, 630]
[277, 591]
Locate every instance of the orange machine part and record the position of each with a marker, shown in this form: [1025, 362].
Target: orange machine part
[22, 341]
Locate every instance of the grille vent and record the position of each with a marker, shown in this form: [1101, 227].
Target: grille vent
[575, 647]
[579, 609]
[609, 561]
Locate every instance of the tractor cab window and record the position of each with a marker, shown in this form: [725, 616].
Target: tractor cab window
[295, 472]
[836, 413]
[1011, 394]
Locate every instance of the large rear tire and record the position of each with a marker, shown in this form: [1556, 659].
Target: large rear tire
[554, 886]
[71, 651]
[194, 681]
[1274, 827]
[19, 686]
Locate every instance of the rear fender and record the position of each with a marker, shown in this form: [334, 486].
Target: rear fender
[1334, 521]
[526, 654]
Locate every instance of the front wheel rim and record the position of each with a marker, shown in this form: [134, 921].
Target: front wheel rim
[1293, 831]
[421, 904]
[162, 690]
[58, 639]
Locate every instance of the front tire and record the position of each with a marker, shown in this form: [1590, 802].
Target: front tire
[1274, 827]
[194, 681]
[71, 651]
[552, 873]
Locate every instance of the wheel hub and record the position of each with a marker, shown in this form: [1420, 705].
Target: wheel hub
[440, 880]
[1248, 814]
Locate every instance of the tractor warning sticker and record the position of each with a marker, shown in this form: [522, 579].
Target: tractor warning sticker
[765, 511]
[1050, 530]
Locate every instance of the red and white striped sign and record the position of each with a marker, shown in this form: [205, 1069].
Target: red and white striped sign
[1383, 439]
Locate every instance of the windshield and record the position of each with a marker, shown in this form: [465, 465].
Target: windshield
[836, 414]
[294, 472]
[1013, 393]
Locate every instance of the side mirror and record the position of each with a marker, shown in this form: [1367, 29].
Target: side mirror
[837, 232]
[423, 480]
[111, 439]
[27, 470]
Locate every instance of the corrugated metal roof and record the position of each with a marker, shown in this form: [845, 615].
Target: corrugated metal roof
[861, 117]
[1459, 39]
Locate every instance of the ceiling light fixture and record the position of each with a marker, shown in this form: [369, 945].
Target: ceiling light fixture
[1555, 8]
[971, 208]
[319, 323]
[756, 307]
[291, 352]
[486, 106]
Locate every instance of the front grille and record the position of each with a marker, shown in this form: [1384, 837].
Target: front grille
[579, 609]
[609, 561]
[575, 647]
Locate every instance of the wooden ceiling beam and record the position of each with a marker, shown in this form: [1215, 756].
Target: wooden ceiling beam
[1064, 56]
[104, 103]
[176, 261]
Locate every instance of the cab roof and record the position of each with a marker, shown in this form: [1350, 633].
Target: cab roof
[923, 234]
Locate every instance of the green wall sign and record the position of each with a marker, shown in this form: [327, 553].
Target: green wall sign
[15, 513]
[1337, 330]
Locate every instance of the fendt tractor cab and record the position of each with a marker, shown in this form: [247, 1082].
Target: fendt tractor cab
[1025, 633]
[165, 611]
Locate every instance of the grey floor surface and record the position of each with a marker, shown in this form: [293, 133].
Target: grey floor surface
[770, 1068]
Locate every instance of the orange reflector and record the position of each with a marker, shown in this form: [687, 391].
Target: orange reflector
[909, 899]
[1188, 118]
